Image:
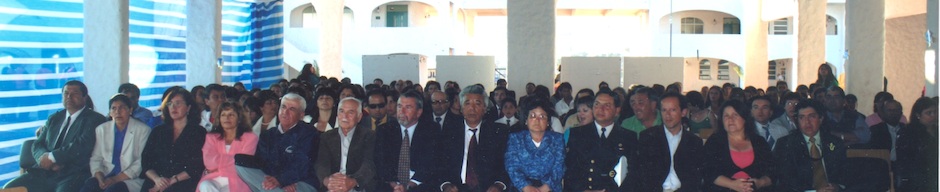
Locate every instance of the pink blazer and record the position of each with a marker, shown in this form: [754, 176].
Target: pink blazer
[221, 163]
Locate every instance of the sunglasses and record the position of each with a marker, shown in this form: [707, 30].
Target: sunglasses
[376, 106]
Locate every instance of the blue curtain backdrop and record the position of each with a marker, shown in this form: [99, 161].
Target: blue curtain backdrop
[41, 48]
[252, 34]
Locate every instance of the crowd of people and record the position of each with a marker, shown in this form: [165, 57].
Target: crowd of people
[314, 133]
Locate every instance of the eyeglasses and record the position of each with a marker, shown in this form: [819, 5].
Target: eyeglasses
[538, 116]
[439, 102]
[376, 106]
[175, 104]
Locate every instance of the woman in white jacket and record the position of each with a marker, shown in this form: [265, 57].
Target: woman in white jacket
[115, 160]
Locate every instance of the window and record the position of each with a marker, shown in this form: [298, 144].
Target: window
[732, 26]
[692, 25]
[724, 70]
[772, 70]
[396, 16]
[780, 27]
[832, 28]
[705, 70]
[309, 18]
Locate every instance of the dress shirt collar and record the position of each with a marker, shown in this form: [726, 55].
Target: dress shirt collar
[816, 137]
[469, 133]
[351, 131]
[609, 129]
[411, 130]
[79, 112]
[280, 127]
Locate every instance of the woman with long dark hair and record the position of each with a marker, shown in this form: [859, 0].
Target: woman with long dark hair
[309, 74]
[739, 159]
[230, 135]
[825, 78]
[324, 117]
[917, 148]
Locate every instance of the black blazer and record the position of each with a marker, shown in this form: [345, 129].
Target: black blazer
[881, 137]
[491, 150]
[719, 162]
[424, 142]
[590, 162]
[795, 167]
[359, 160]
[655, 159]
[449, 119]
[75, 151]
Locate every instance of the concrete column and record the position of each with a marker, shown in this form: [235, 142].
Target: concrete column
[932, 27]
[531, 43]
[904, 49]
[106, 49]
[203, 42]
[810, 29]
[755, 40]
[330, 13]
[865, 40]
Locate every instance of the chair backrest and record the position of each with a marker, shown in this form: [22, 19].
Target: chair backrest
[705, 133]
[883, 154]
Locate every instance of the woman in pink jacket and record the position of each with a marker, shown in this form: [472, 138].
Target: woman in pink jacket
[230, 135]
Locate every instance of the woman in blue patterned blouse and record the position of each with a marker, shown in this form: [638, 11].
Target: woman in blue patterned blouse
[535, 158]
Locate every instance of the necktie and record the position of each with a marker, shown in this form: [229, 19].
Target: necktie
[65, 130]
[603, 134]
[770, 139]
[472, 161]
[819, 172]
[404, 160]
[438, 120]
[507, 122]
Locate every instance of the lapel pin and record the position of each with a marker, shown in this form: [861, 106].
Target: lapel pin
[832, 147]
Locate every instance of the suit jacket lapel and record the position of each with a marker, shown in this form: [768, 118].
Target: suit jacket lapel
[336, 145]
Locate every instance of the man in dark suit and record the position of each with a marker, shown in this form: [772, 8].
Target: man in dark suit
[670, 154]
[345, 160]
[884, 135]
[810, 159]
[440, 110]
[417, 147]
[595, 150]
[64, 148]
[473, 149]
[378, 115]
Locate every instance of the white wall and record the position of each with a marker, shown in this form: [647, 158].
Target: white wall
[399, 66]
[587, 72]
[652, 70]
[713, 21]
[467, 70]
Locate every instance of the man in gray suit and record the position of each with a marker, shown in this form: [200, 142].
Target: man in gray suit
[63, 149]
[345, 161]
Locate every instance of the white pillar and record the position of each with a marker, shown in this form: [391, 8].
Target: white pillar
[531, 43]
[106, 49]
[330, 13]
[203, 42]
[810, 29]
[932, 26]
[755, 36]
[865, 40]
